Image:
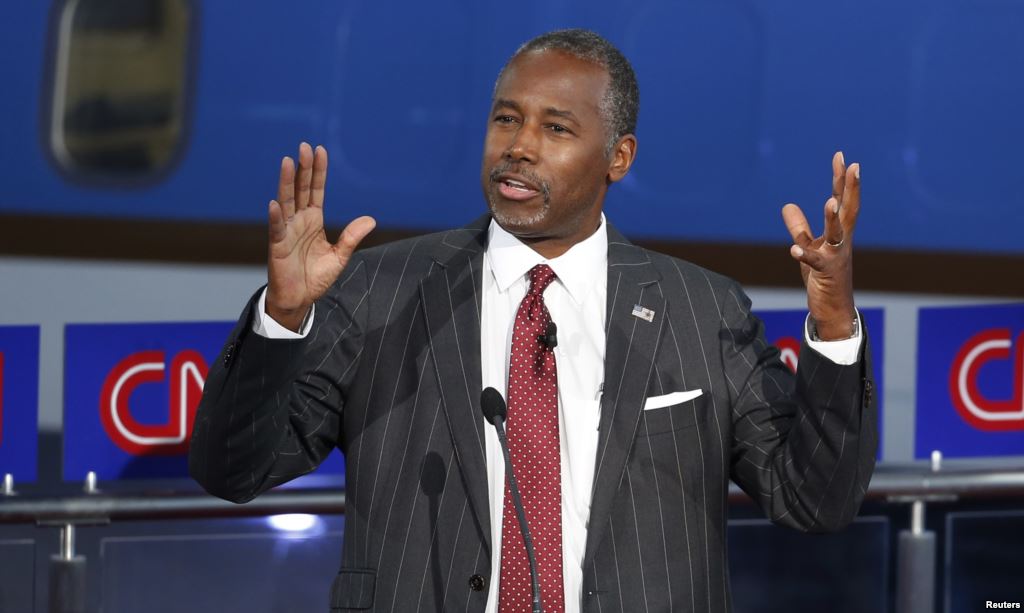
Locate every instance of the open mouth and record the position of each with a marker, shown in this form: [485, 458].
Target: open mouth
[516, 188]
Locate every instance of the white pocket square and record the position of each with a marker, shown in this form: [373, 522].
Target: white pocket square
[657, 402]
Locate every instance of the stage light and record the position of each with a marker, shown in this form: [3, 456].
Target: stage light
[294, 522]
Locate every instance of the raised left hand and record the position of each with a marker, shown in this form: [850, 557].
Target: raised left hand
[826, 262]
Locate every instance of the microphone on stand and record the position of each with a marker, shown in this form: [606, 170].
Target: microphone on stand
[495, 411]
[550, 336]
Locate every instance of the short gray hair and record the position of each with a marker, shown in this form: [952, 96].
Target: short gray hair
[621, 101]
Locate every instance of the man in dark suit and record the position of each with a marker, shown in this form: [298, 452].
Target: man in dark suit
[666, 387]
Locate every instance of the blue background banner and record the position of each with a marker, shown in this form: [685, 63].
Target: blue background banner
[19, 401]
[970, 381]
[734, 118]
[130, 396]
[785, 330]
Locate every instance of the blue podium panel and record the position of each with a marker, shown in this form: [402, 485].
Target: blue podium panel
[17, 574]
[19, 401]
[984, 559]
[779, 570]
[263, 565]
[130, 396]
[970, 381]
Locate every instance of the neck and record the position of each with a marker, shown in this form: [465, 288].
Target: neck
[552, 247]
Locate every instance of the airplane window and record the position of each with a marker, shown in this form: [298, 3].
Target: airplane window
[119, 88]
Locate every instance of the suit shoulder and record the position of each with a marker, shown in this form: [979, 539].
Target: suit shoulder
[402, 246]
[422, 246]
[404, 262]
[670, 267]
[702, 291]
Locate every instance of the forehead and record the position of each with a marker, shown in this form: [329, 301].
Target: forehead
[555, 79]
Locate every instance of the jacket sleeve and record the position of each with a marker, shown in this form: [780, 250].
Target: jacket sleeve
[271, 409]
[804, 448]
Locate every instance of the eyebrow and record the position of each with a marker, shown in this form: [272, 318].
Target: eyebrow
[511, 104]
[560, 113]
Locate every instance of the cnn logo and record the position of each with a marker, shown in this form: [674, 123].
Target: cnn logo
[974, 406]
[187, 374]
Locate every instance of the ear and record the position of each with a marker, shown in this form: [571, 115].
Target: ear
[623, 154]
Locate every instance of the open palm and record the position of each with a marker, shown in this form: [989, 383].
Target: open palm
[301, 262]
[826, 261]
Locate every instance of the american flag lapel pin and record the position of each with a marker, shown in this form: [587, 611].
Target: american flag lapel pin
[643, 312]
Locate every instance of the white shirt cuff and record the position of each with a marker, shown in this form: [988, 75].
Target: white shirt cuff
[844, 352]
[267, 327]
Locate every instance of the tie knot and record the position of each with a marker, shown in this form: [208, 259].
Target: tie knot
[541, 277]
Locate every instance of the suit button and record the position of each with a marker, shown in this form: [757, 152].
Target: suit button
[477, 583]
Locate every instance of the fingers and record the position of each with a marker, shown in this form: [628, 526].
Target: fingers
[351, 236]
[797, 225]
[286, 187]
[830, 251]
[300, 187]
[851, 200]
[838, 175]
[846, 191]
[304, 176]
[833, 227]
[319, 177]
[277, 226]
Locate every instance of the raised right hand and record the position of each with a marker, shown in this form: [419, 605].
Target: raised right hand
[301, 262]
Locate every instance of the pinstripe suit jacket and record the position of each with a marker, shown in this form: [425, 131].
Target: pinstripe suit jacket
[391, 375]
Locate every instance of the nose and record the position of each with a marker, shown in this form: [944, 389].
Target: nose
[524, 145]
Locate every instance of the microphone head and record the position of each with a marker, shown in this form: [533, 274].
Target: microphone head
[550, 336]
[552, 333]
[493, 405]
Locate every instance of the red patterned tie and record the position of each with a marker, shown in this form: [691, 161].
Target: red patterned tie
[534, 447]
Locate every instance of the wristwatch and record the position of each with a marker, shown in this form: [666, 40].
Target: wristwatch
[812, 331]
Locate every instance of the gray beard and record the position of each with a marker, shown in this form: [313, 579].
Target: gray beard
[509, 222]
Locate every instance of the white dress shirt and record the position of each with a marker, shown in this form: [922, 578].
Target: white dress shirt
[576, 300]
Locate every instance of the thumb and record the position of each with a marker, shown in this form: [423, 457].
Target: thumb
[352, 235]
[810, 257]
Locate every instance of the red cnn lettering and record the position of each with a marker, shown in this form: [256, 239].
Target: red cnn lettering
[994, 415]
[187, 376]
[789, 351]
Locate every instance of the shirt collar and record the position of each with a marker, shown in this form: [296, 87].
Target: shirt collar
[578, 269]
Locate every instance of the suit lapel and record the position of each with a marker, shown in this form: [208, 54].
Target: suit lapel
[451, 303]
[630, 347]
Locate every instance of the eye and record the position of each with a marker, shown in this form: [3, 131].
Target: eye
[504, 119]
[558, 128]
